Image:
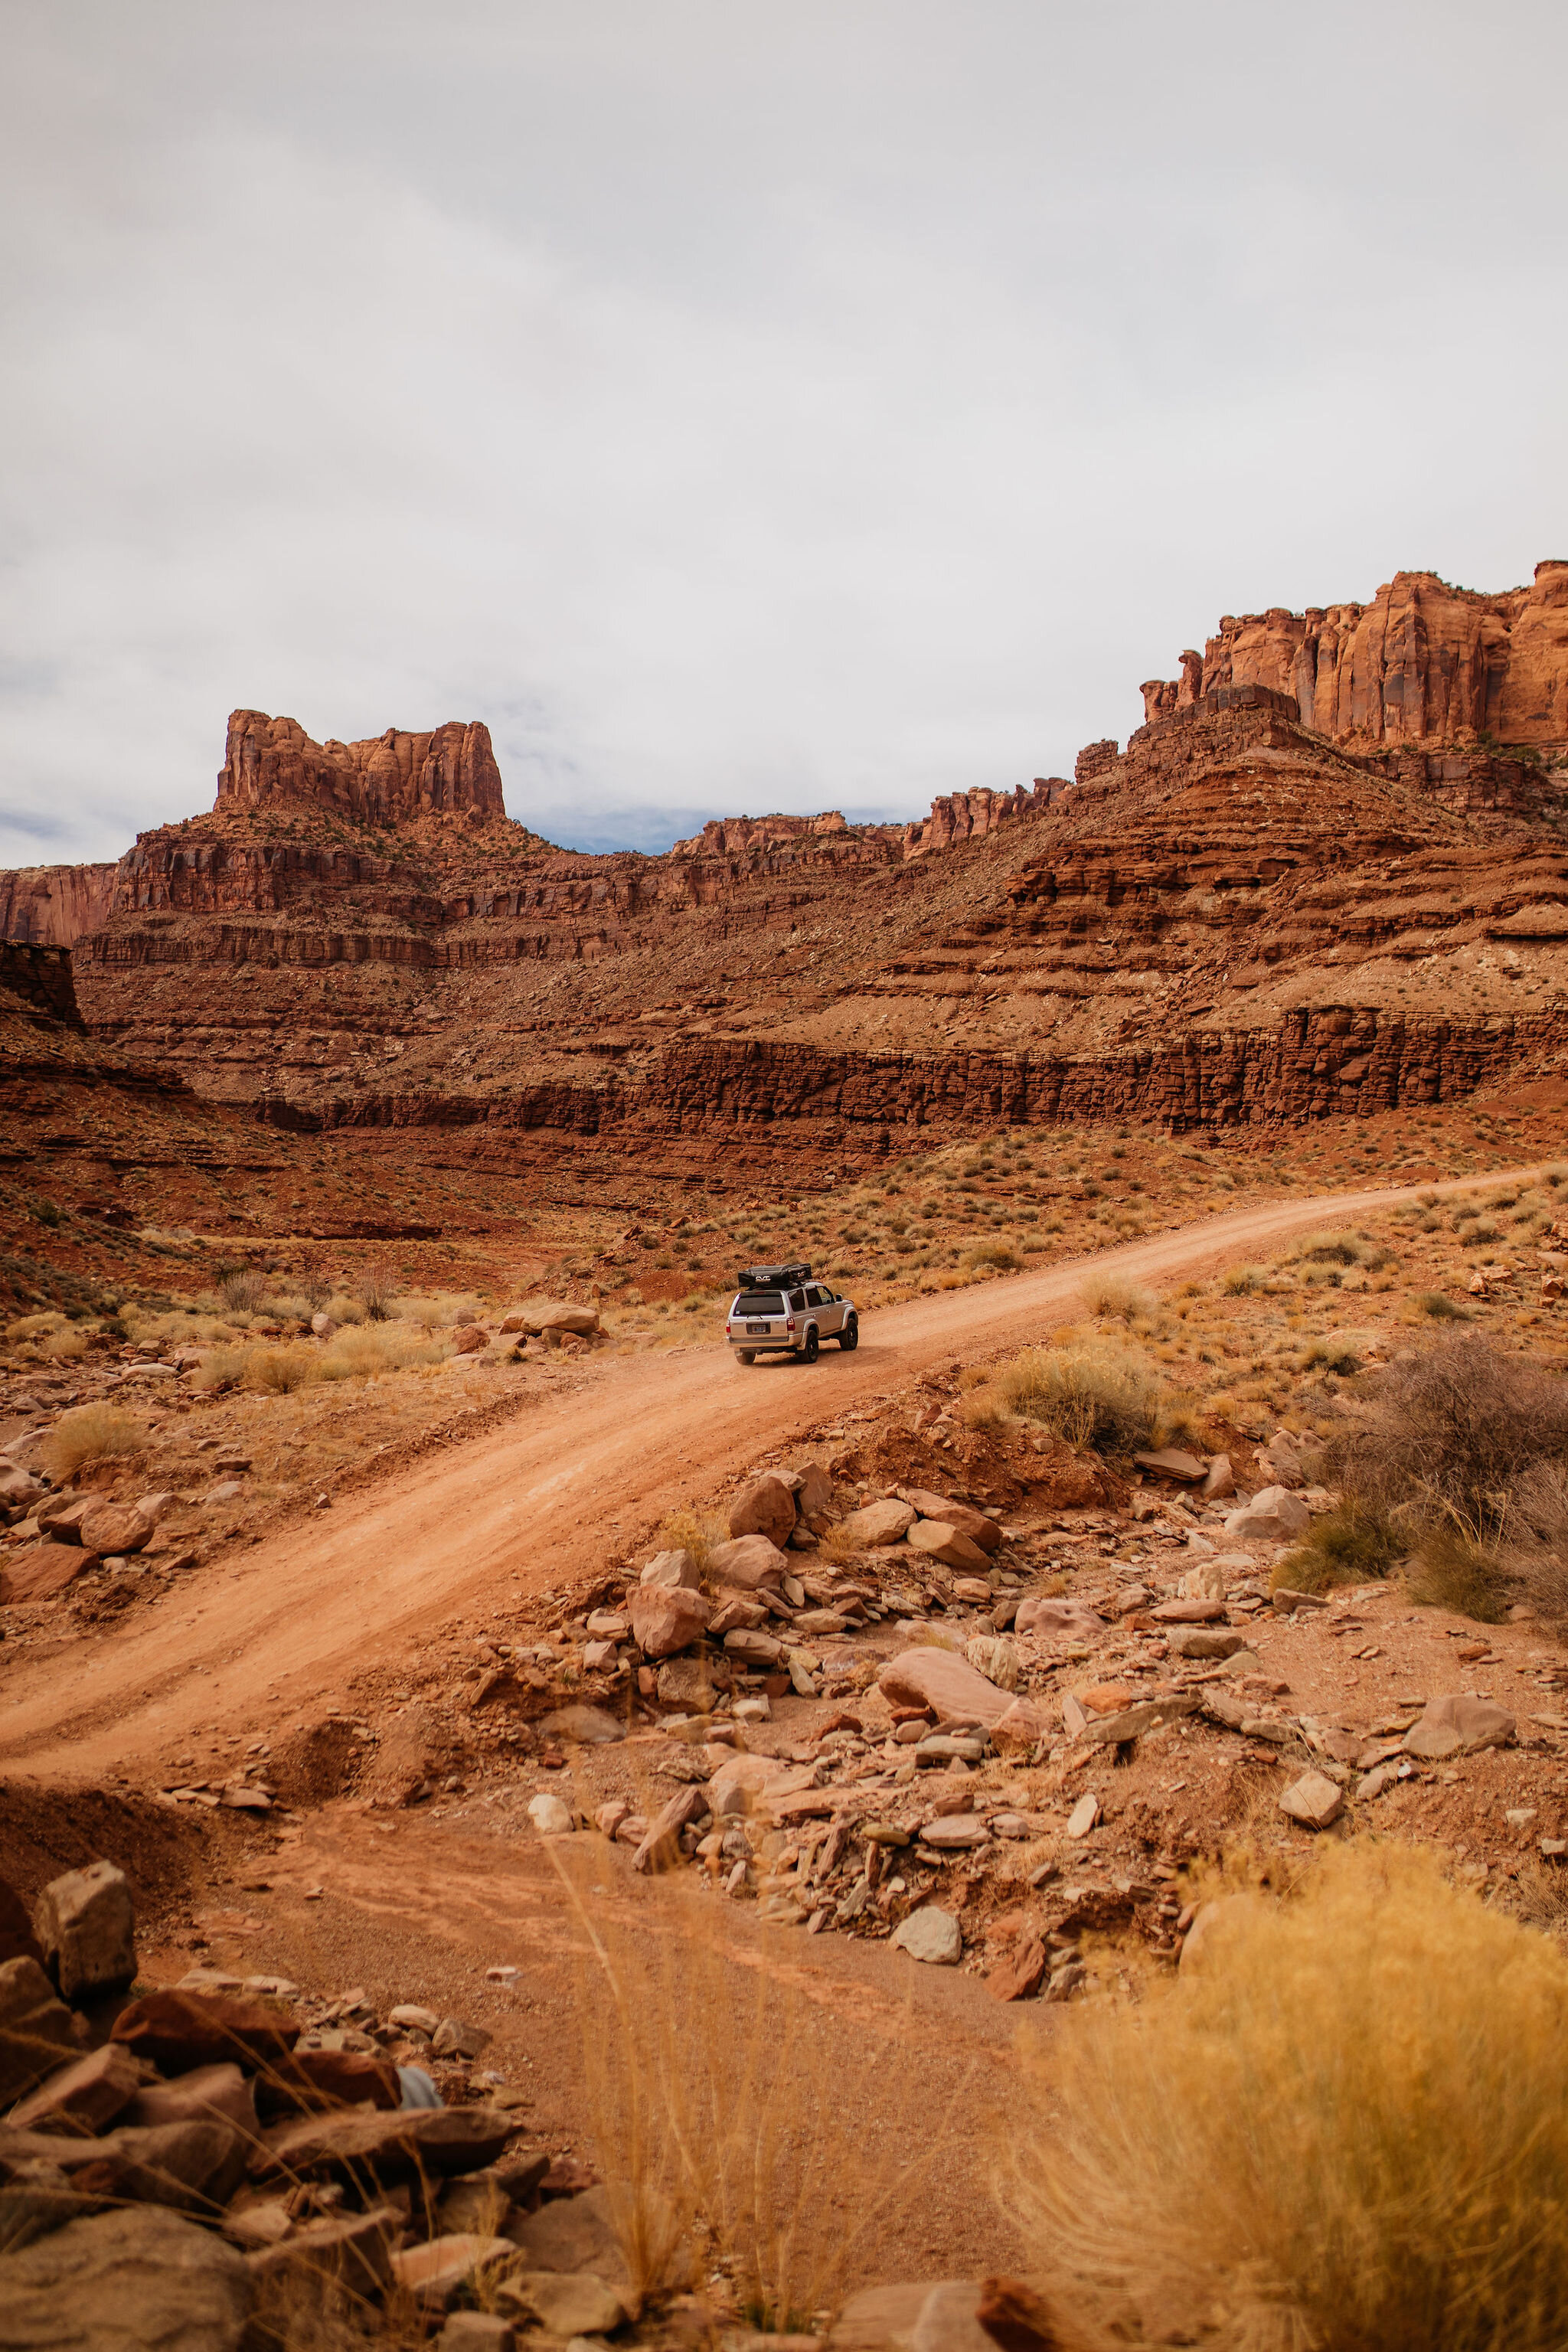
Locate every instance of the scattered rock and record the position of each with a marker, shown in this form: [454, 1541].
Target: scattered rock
[670, 1567]
[564, 2303]
[1018, 1727]
[433, 2272]
[575, 2234]
[176, 2031]
[939, 1539]
[550, 1817]
[948, 1684]
[879, 1524]
[37, 2030]
[1313, 1802]
[1219, 1479]
[765, 1508]
[1458, 1726]
[1084, 1816]
[1200, 1641]
[749, 1563]
[590, 1727]
[666, 1617]
[87, 1928]
[475, 2331]
[660, 1845]
[83, 2098]
[1171, 1462]
[1273, 1515]
[969, 1522]
[1065, 1619]
[140, 2280]
[930, 1936]
[115, 1527]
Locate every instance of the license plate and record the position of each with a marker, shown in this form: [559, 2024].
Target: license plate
[756, 1331]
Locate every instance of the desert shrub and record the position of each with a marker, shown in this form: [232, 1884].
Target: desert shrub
[1362, 2093]
[1242, 1281]
[1449, 1435]
[1478, 1235]
[1113, 1295]
[1337, 1249]
[92, 1433]
[375, 1297]
[1347, 1545]
[984, 1408]
[1333, 1353]
[997, 1253]
[1440, 1307]
[242, 1290]
[1451, 1571]
[434, 1311]
[1096, 1395]
[63, 1347]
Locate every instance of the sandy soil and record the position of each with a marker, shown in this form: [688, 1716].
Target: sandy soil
[554, 1495]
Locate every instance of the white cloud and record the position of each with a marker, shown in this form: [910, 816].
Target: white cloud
[738, 410]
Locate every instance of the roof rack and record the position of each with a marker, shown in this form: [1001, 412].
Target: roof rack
[773, 1277]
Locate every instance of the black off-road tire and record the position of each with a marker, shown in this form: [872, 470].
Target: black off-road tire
[849, 1337]
[810, 1347]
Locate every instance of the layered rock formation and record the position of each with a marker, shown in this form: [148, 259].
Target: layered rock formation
[387, 780]
[1235, 919]
[1423, 663]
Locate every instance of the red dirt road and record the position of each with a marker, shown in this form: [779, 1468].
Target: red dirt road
[590, 1470]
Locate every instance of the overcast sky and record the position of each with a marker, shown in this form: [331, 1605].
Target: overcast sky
[740, 407]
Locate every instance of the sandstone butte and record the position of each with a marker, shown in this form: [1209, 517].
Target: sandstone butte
[1326, 876]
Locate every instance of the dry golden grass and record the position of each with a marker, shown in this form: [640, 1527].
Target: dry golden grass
[692, 1531]
[88, 1433]
[1345, 2131]
[720, 2116]
[1114, 1295]
[362, 1351]
[1091, 1393]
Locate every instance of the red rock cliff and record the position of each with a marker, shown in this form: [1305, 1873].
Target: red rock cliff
[387, 779]
[55, 905]
[1423, 663]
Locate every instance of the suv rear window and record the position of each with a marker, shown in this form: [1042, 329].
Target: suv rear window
[758, 1302]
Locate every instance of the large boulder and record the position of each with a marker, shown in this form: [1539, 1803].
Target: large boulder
[193, 2166]
[939, 1539]
[542, 1315]
[879, 1524]
[962, 1516]
[114, 1528]
[950, 1686]
[1273, 1515]
[670, 1567]
[666, 1617]
[931, 1936]
[87, 1927]
[813, 1490]
[1458, 1726]
[357, 2143]
[37, 2030]
[84, 2097]
[177, 2031]
[139, 2280]
[747, 1563]
[1059, 1619]
[765, 1508]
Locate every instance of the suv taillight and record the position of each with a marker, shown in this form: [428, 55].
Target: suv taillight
[790, 1324]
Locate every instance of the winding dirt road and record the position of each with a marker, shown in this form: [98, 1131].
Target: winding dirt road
[592, 1468]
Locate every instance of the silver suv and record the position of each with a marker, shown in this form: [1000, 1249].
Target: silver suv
[779, 1310]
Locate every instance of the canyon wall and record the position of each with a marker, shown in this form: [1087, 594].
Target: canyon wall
[1423, 663]
[55, 905]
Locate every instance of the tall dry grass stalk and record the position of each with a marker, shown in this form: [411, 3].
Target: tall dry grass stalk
[1345, 2130]
[723, 2112]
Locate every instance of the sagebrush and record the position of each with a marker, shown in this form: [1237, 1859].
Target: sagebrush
[1344, 2130]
